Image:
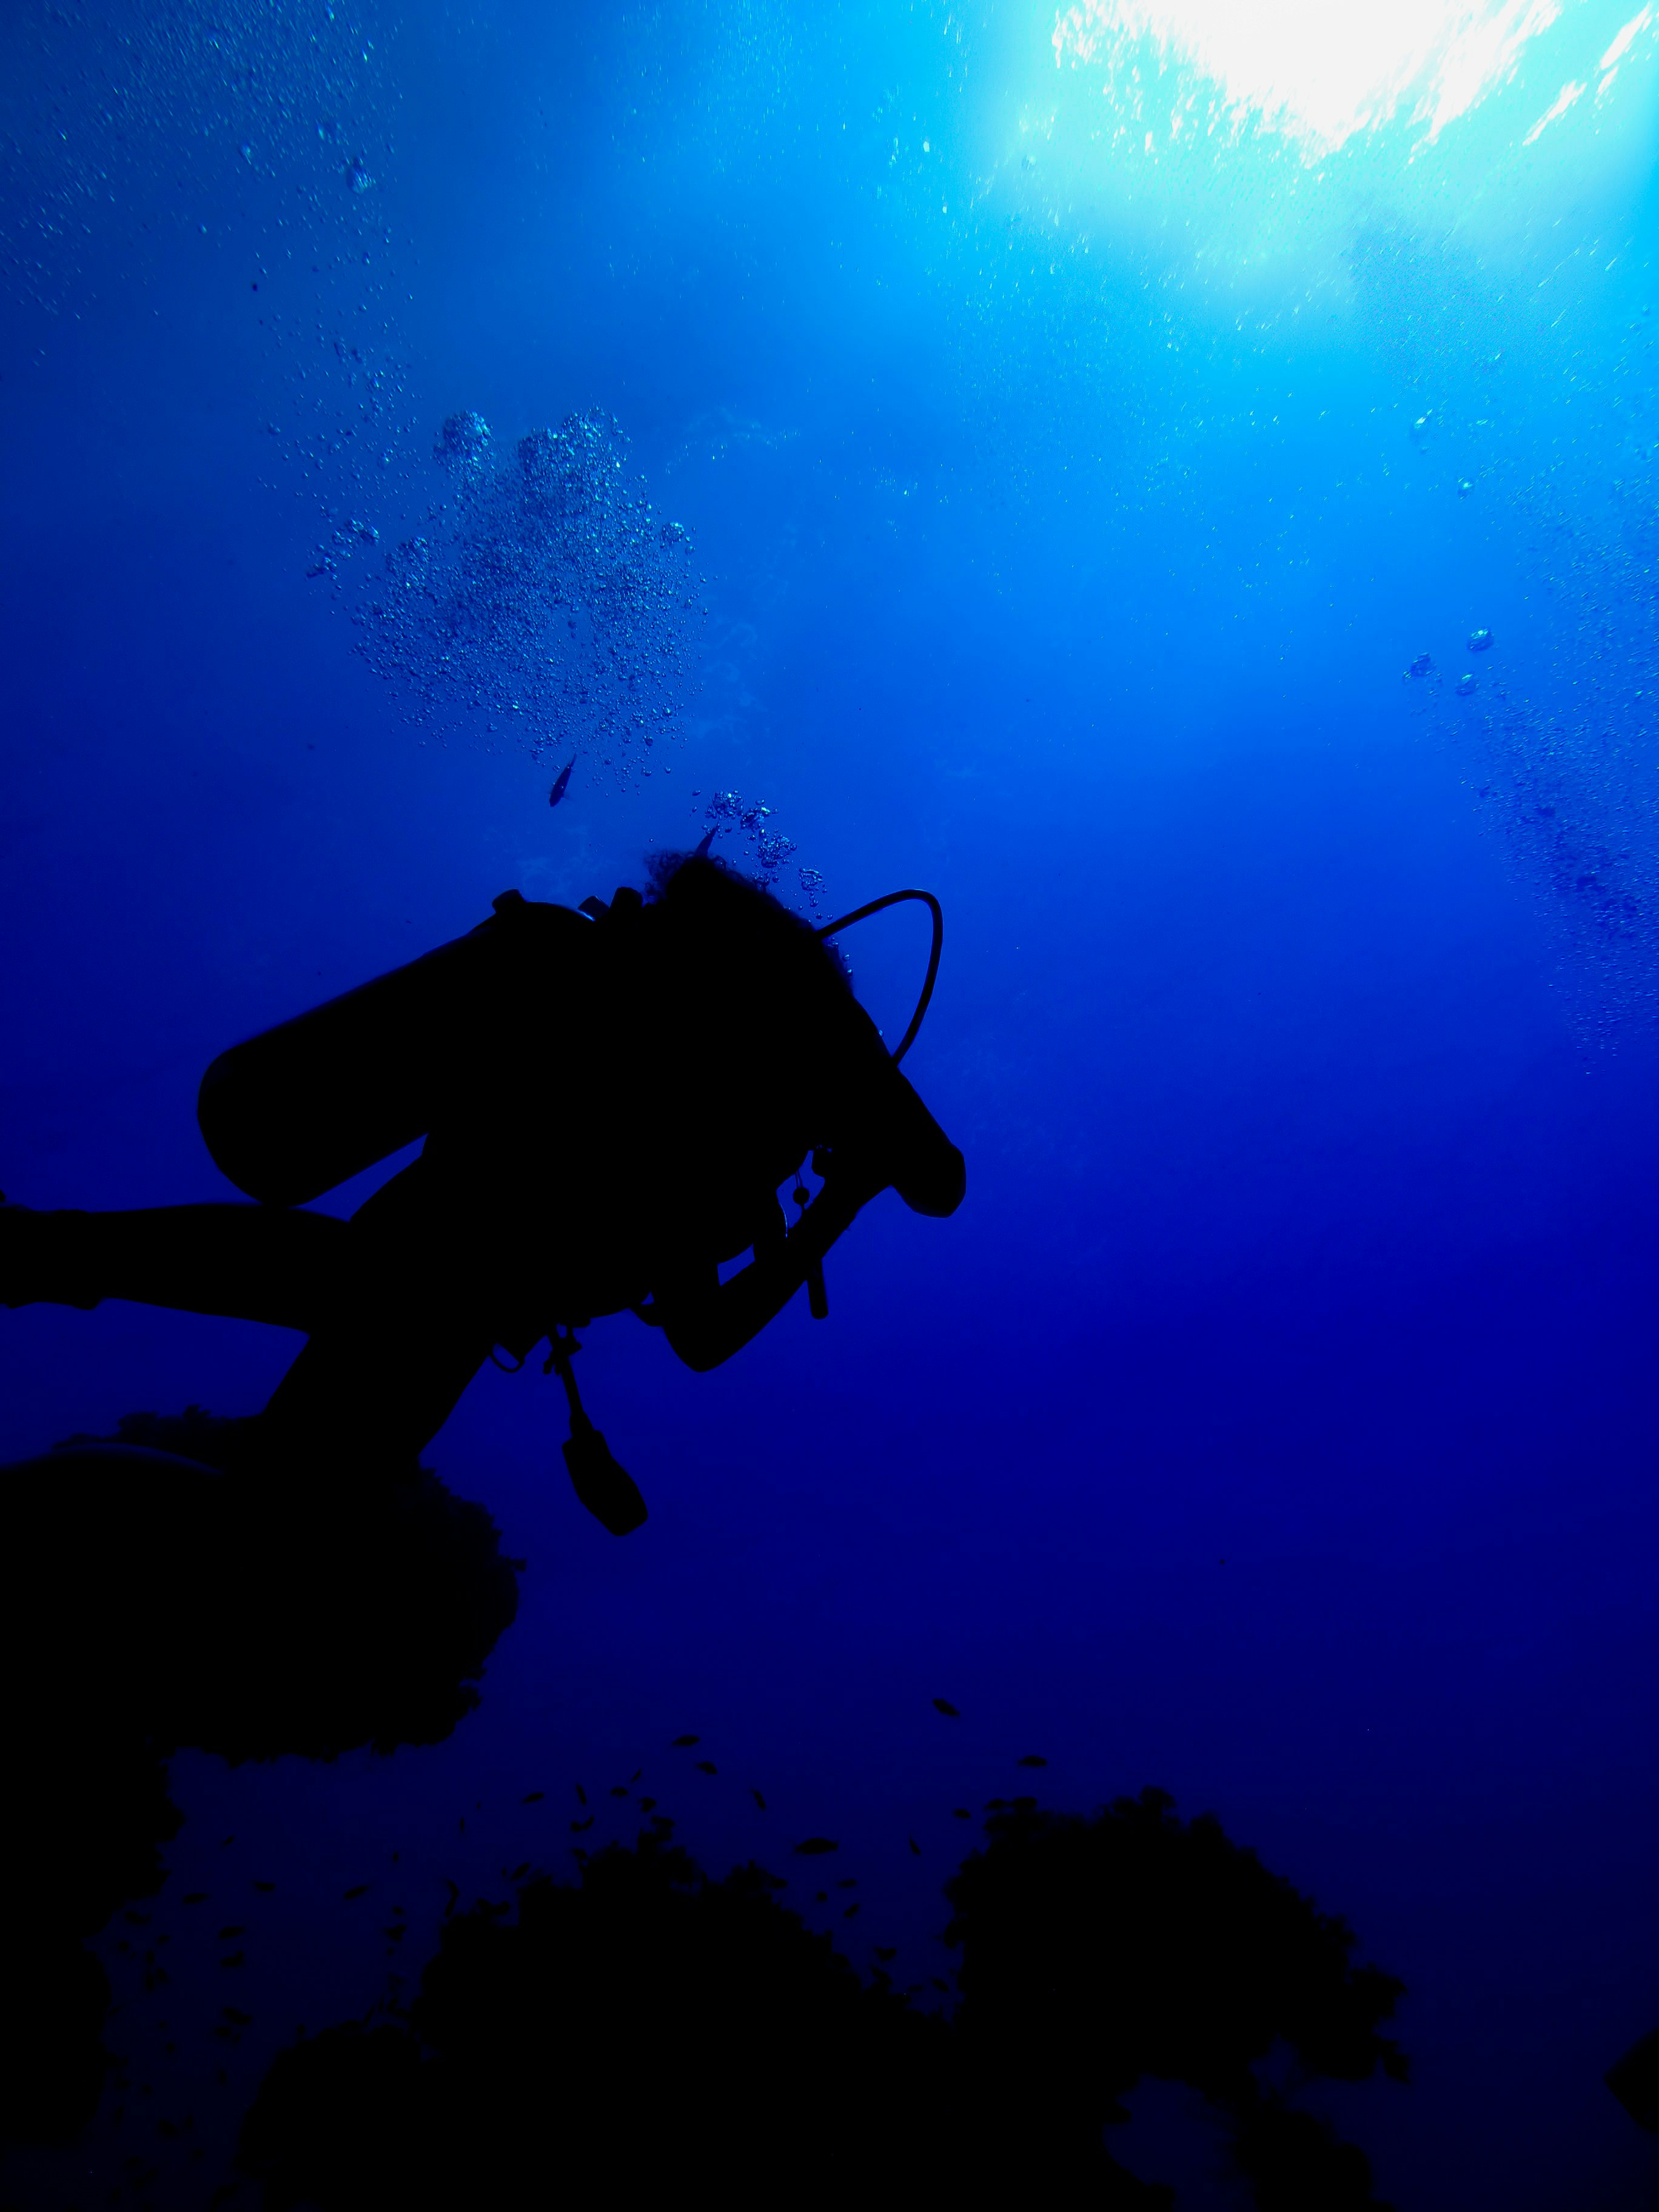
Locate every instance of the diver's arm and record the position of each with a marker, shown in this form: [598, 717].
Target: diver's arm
[707, 1326]
[896, 1142]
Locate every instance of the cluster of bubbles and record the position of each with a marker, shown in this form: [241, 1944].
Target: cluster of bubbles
[730, 810]
[1567, 767]
[1560, 726]
[539, 593]
[108, 116]
[545, 597]
[257, 132]
[745, 826]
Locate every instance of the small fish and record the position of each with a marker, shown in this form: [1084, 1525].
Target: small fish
[226, 1934]
[996, 1804]
[915, 1847]
[758, 1799]
[360, 1889]
[847, 1881]
[886, 1951]
[394, 1933]
[237, 2019]
[647, 1804]
[235, 1958]
[560, 782]
[223, 1840]
[814, 1847]
[617, 1790]
[454, 1897]
[944, 1988]
[580, 1827]
[944, 1706]
[520, 1871]
[264, 1887]
[960, 1812]
[534, 1798]
[1034, 1759]
[684, 1742]
[582, 1793]
[1022, 1804]
[196, 1897]
[706, 1766]
[852, 1911]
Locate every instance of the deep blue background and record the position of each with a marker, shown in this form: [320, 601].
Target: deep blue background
[1276, 1422]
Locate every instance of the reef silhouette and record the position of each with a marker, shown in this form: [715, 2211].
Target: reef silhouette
[163, 1588]
[651, 2023]
[168, 1587]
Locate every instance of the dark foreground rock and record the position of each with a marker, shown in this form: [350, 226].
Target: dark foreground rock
[651, 2030]
[156, 1592]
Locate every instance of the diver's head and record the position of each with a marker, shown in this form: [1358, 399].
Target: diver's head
[748, 999]
[737, 920]
[756, 1009]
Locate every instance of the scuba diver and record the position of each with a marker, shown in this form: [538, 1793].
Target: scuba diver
[610, 1098]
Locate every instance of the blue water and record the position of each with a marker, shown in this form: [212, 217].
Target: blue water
[1276, 1421]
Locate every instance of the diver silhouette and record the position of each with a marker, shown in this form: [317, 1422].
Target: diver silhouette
[610, 1099]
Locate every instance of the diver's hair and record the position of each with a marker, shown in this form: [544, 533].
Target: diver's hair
[741, 924]
[754, 1013]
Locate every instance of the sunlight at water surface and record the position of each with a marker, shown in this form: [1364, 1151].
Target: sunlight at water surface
[1314, 73]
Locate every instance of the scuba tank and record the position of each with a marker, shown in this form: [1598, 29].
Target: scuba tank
[293, 1111]
[300, 1108]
